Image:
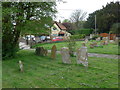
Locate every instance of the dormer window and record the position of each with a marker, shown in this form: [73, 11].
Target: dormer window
[54, 28]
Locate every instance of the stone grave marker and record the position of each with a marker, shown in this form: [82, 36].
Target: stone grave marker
[95, 44]
[116, 40]
[82, 56]
[53, 52]
[91, 45]
[21, 66]
[86, 40]
[40, 51]
[98, 39]
[65, 55]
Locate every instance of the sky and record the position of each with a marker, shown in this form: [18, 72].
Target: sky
[89, 6]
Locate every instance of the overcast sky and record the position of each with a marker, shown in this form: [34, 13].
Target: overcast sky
[89, 6]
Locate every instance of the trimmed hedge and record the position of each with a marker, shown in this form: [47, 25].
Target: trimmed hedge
[81, 31]
[80, 36]
[85, 31]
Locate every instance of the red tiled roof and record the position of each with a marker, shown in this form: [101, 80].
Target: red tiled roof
[62, 27]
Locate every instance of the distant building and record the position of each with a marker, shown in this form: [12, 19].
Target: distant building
[58, 29]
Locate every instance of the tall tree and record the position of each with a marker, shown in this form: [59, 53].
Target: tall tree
[77, 17]
[105, 17]
[18, 14]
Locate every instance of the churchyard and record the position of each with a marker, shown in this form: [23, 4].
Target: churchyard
[45, 72]
[52, 65]
[111, 48]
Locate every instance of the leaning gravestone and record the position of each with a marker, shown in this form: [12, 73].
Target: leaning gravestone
[82, 55]
[65, 55]
[53, 52]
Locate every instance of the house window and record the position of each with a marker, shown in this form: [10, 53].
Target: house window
[54, 28]
[61, 35]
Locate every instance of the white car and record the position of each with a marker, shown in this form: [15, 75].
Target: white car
[30, 36]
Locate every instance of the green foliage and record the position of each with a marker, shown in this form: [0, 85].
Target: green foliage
[105, 17]
[111, 48]
[81, 31]
[43, 72]
[21, 18]
[115, 28]
[79, 36]
[95, 36]
[71, 44]
[66, 21]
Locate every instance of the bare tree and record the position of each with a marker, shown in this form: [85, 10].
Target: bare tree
[77, 17]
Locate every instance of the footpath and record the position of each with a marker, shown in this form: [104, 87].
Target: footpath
[24, 46]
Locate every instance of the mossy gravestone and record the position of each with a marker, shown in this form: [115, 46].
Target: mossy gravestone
[82, 56]
[65, 55]
[40, 51]
[53, 52]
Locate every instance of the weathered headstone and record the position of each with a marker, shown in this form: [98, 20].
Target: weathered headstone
[91, 46]
[53, 52]
[65, 55]
[82, 56]
[21, 66]
[106, 42]
[40, 51]
[94, 44]
[98, 39]
[116, 40]
[86, 40]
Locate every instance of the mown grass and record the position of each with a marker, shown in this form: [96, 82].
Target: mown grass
[107, 49]
[43, 72]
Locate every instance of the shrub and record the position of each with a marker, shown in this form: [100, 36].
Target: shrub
[85, 31]
[72, 46]
[80, 36]
[81, 31]
[96, 36]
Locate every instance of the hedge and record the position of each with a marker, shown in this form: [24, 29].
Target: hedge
[80, 36]
[81, 31]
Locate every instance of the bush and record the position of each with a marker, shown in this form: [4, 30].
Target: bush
[80, 36]
[96, 36]
[81, 31]
[85, 31]
[72, 47]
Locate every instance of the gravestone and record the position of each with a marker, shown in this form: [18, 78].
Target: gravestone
[53, 52]
[106, 42]
[98, 39]
[65, 55]
[40, 51]
[94, 44]
[21, 66]
[116, 40]
[86, 40]
[91, 46]
[82, 56]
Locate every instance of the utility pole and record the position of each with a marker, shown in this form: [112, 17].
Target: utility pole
[95, 24]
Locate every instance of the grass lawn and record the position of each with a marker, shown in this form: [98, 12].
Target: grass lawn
[43, 72]
[107, 49]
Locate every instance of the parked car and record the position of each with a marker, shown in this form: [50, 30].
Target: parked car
[30, 36]
[57, 39]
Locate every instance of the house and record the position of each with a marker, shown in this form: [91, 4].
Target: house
[58, 29]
